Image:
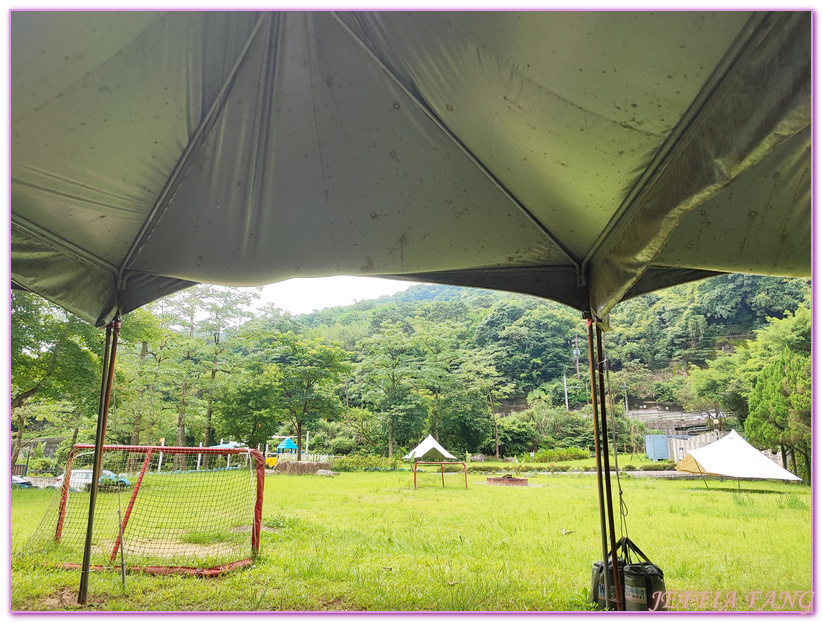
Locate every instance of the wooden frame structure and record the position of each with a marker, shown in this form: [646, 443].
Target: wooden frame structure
[442, 475]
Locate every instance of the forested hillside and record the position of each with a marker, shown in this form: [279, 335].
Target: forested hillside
[482, 371]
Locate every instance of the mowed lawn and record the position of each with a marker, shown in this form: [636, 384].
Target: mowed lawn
[369, 541]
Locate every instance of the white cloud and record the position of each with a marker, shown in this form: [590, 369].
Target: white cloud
[302, 296]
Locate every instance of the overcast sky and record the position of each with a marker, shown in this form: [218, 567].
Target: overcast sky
[302, 296]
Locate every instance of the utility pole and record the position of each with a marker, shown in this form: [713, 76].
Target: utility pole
[566, 392]
[576, 359]
[626, 399]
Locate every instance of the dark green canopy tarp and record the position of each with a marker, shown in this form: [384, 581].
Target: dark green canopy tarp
[584, 157]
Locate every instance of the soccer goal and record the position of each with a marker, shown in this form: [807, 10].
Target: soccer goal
[159, 509]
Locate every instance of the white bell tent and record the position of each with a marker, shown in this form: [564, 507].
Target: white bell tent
[734, 457]
[431, 450]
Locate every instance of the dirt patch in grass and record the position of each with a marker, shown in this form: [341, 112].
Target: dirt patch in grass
[338, 604]
[170, 548]
[62, 599]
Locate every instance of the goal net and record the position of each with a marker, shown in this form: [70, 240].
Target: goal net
[159, 509]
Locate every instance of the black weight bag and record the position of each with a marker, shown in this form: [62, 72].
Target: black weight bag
[642, 581]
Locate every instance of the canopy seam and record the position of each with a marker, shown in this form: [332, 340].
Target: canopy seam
[205, 125]
[64, 246]
[462, 146]
[730, 58]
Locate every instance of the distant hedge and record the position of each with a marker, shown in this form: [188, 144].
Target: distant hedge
[554, 455]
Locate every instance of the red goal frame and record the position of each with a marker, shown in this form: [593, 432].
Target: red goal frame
[260, 473]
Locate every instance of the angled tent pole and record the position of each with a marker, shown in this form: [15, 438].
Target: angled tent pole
[607, 582]
[702, 474]
[604, 426]
[109, 356]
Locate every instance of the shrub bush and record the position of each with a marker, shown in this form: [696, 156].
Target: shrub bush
[40, 466]
[342, 445]
[662, 466]
[552, 455]
[483, 469]
[359, 462]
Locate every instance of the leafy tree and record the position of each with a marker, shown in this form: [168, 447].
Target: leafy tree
[780, 407]
[554, 393]
[517, 434]
[181, 312]
[273, 320]
[342, 445]
[636, 379]
[54, 357]
[713, 389]
[364, 427]
[346, 334]
[479, 375]
[537, 347]
[142, 340]
[687, 326]
[777, 296]
[726, 298]
[247, 403]
[438, 343]
[409, 417]
[388, 367]
[501, 315]
[225, 311]
[747, 300]
[793, 332]
[465, 423]
[639, 333]
[567, 429]
[310, 371]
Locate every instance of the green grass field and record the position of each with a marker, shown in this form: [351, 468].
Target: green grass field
[368, 541]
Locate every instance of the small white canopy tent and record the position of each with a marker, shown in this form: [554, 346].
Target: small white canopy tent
[734, 457]
[430, 449]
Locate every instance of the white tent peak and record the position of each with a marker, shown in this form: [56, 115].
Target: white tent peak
[734, 457]
[429, 449]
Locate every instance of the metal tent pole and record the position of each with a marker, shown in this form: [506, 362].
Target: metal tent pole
[601, 507]
[601, 370]
[112, 334]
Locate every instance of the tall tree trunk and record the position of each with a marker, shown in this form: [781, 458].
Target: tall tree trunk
[181, 424]
[391, 438]
[437, 416]
[299, 440]
[181, 413]
[18, 446]
[17, 404]
[209, 411]
[807, 471]
[73, 440]
[138, 414]
[210, 399]
[150, 433]
[496, 438]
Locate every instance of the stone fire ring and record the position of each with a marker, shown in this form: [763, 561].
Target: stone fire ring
[508, 480]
